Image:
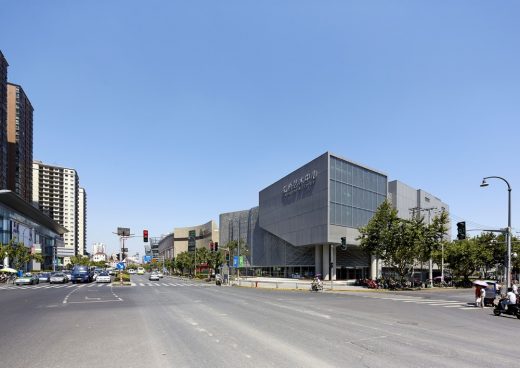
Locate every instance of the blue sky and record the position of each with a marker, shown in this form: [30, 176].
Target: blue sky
[175, 111]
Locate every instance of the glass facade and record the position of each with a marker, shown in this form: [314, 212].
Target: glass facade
[355, 193]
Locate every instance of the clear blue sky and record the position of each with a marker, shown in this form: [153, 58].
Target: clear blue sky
[175, 111]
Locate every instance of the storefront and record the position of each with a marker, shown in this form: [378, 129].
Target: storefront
[22, 223]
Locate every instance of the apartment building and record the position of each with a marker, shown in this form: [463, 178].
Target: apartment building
[56, 193]
[19, 142]
[82, 222]
[3, 121]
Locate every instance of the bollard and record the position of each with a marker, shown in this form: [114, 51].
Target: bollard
[256, 284]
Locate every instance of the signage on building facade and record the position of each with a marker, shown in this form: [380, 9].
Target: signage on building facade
[191, 241]
[304, 182]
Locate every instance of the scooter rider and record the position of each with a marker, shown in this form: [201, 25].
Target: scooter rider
[510, 298]
[316, 283]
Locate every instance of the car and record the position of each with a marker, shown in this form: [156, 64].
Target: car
[27, 279]
[81, 273]
[44, 277]
[111, 271]
[58, 278]
[154, 277]
[131, 271]
[67, 274]
[160, 274]
[103, 277]
[140, 270]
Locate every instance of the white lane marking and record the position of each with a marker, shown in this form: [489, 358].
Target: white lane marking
[449, 303]
[305, 311]
[141, 284]
[96, 301]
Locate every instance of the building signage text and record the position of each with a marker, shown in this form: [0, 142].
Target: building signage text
[304, 182]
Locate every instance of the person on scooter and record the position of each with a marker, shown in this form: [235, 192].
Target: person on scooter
[509, 299]
[316, 283]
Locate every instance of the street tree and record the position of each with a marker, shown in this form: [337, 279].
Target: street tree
[395, 241]
[79, 260]
[465, 257]
[434, 235]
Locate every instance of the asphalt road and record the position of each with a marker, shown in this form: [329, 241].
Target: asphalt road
[180, 323]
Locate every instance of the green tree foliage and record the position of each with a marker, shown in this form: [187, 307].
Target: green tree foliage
[185, 261]
[466, 256]
[79, 260]
[377, 234]
[19, 254]
[434, 236]
[401, 243]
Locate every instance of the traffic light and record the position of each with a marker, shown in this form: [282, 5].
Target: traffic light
[461, 230]
[145, 236]
[227, 257]
[343, 243]
[216, 246]
[211, 246]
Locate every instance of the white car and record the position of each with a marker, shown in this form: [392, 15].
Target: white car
[103, 277]
[131, 271]
[154, 277]
[160, 274]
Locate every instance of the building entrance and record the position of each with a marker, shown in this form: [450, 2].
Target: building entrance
[352, 273]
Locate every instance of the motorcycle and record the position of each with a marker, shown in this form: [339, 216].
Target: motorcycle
[316, 286]
[512, 309]
[218, 280]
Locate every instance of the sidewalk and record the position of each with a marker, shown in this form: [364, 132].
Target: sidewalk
[294, 284]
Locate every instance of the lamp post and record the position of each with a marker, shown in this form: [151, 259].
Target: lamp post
[508, 254]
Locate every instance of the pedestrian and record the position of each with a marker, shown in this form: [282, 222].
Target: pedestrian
[482, 297]
[477, 295]
[515, 287]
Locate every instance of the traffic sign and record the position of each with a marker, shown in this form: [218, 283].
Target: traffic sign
[147, 259]
[235, 261]
[120, 266]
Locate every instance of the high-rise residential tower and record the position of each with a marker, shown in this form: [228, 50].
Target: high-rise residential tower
[56, 193]
[19, 142]
[3, 121]
[82, 222]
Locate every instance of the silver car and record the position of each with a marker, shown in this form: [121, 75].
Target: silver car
[58, 278]
[154, 277]
[27, 279]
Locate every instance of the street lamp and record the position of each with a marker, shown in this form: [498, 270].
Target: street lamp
[508, 254]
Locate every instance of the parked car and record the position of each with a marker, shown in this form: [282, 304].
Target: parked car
[58, 278]
[154, 277]
[44, 277]
[103, 277]
[27, 279]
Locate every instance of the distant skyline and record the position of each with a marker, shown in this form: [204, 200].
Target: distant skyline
[173, 112]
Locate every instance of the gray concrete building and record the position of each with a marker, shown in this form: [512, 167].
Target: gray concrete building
[297, 228]
[411, 202]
